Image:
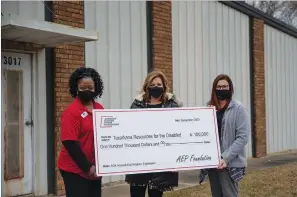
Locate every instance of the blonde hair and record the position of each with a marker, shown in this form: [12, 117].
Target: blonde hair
[149, 79]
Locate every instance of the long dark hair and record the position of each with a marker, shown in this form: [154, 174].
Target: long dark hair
[213, 98]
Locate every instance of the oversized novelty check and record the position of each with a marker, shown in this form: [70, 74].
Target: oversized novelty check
[154, 140]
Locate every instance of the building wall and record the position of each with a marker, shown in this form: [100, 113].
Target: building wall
[280, 86]
[258, 80]
[120, 54]
[192, 42]
[66, 58]
[209, 39]
[162, 38]
[31, 10]
[26, 9]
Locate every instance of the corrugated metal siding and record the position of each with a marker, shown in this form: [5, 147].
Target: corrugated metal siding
[120, 54]
[209, 38]
[280, 90]
[26, 9]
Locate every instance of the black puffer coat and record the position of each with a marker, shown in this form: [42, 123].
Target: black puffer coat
[170, 178]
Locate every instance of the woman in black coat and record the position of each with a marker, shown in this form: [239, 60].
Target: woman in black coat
[155, 94]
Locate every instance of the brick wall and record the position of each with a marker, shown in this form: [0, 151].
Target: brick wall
[162, 38]
[259, 88]
[67, 58]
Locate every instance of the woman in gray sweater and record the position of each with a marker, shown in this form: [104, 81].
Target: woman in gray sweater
[233, 128]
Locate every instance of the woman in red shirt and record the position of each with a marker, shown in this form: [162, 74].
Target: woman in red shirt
[77, 157]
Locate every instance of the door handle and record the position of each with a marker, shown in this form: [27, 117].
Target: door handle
[29, 123]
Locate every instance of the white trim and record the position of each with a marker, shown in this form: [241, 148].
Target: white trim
[40, 181]
[44, 33]
[2, 135]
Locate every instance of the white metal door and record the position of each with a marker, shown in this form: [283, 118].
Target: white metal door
[17, 123]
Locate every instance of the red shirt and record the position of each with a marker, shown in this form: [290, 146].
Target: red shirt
[77, 125]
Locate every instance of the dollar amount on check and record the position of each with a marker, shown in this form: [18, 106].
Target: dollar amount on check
[154, 140]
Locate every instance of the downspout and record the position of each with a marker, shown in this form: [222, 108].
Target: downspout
[49, 57]
[252, 85]
[149, 30]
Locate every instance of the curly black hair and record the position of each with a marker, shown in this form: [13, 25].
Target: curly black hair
[83, 72]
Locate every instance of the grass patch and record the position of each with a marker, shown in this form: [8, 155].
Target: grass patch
[280, 181]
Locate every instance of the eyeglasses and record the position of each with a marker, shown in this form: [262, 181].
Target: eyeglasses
[222, 87]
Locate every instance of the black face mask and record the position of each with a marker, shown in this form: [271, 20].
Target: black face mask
[224, 94]
[86, 96]
[155, 92]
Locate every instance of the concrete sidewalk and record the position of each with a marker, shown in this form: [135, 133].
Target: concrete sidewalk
[190, 178]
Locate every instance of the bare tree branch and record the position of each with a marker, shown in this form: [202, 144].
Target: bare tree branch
[285, 11]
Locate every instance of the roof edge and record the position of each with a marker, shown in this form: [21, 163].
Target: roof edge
[254, 12]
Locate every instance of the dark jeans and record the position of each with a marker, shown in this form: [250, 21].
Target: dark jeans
[139, 191]
[77, 186]
[221, 184]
